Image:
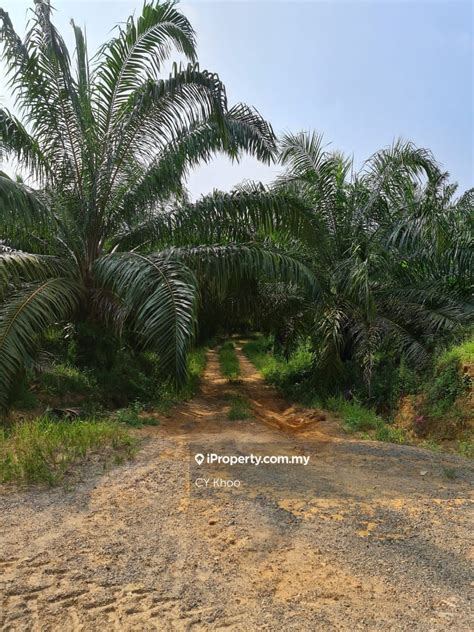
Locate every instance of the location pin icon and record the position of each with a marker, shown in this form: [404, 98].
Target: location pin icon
[199, 458]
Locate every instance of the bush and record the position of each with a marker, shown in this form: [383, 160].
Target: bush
[448, 384]
[391, 382]
[137, 377]
[131, 377]
[43, 450]
[466, 448]
[446, 403]
[296, 370]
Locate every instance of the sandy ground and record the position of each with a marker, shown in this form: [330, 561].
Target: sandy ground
[367, 536]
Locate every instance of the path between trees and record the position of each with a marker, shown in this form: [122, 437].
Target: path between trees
[367, 536]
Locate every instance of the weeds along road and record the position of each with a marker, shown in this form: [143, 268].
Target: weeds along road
[359, 539]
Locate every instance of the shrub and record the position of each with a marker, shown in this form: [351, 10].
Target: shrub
[462, 354]
[131, 377]
[448, 384]
[21, 395]
[446, 403]
[294, 371]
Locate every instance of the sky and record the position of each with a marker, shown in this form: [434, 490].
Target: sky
[362, 73]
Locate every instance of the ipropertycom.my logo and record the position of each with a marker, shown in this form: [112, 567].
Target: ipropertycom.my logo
[251, 459]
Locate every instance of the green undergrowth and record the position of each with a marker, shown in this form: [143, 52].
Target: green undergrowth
[360, 419]
[450, 385]
[462, 353]
[136, 384]
[229, 362]
[442, 396]
[136, 415]
[291, 378]
[443, 401]
[239, 408]
[44, 450]
[139, 414]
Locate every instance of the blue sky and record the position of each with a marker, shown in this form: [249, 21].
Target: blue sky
[361, 72]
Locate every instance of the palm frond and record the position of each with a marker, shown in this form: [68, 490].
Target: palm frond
[156, 115]
[21, 206]
[245, 131]
[137, 54]
[230, 261]
[17, 142]
[160, 293]
[18, 267]
[25, 315]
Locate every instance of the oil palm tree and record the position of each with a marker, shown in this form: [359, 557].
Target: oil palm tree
[390, 248]
[105, 231]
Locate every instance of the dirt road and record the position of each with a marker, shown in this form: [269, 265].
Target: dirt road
[367, 536]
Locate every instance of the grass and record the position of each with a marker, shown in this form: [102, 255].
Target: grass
[126, 388]
[390, 434]
[357, 418]
[239, 408]
[65, 379]
[290, 377]
[196, 366]
[450, 473]
[466, 448]
[229, 362]
[43, 450]
[133, 416]
[257, 351]
[169, 395]
[430, 444]
[463, 353]
[360, 419]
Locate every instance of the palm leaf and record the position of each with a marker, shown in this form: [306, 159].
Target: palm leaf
[24, 316]
[137, 54]
[160, 293]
